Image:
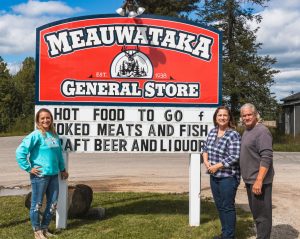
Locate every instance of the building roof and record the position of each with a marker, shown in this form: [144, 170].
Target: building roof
[293, 97]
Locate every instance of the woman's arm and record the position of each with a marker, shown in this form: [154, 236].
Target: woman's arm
[23, 151]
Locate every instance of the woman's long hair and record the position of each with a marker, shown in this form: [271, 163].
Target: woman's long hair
[51, 127]
[231, 122]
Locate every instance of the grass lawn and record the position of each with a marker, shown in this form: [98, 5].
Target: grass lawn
[127, 215]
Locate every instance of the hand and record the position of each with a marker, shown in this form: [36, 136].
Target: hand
[214, 168]
[207, 164]
[36, 171]
[257, 187]
[64, 175]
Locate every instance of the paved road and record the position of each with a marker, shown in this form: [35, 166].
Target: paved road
[164, 173]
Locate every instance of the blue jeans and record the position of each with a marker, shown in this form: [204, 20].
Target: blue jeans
[44, 185]
[224, 191]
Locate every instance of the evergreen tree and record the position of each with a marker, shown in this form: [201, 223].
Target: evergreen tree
[137, 69]
[123, 72]
[25, 82]
[4, 72]
[247, 77]
[173, 8]
[9, 98]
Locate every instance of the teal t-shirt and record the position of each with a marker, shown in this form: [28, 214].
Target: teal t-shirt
[38, 150]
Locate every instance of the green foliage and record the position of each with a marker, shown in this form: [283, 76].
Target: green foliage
[285, 143]
[127, 215]
[17, 97]
[173, 8]
[247, 76]
[9, 98]
[4, 72]
[25, 82]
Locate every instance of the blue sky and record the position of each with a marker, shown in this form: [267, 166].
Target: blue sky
[279, 32]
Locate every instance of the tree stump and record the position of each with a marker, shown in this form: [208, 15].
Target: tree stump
[80, 197]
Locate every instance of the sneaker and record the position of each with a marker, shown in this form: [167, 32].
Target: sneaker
[47, 233]
[39, 235]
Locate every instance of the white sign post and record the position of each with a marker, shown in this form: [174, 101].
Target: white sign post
[62, 204]
[194, 189]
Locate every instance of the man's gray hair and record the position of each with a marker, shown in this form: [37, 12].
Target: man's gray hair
[253, 109]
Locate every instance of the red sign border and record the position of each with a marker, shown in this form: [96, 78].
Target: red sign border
[37, 93]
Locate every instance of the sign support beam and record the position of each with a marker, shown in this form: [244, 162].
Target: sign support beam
[62, 204]
[194, 189]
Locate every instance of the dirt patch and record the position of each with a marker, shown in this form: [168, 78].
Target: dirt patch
[132, 185]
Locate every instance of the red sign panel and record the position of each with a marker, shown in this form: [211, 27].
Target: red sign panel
[102, 60]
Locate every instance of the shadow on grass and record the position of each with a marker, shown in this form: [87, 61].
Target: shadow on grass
[135, 204]
[13, 223]
[158, 204]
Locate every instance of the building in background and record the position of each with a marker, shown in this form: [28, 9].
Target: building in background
[291, 114]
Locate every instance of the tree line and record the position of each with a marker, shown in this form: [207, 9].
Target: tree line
[17, 97]
[247, 76]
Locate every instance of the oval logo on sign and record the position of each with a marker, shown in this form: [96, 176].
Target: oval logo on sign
[131, 64]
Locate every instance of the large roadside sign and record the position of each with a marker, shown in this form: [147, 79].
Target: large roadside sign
[118, 84]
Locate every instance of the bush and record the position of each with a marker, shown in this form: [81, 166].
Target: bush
[21, 126]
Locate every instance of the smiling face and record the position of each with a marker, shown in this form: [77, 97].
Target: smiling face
[249, 117]
[222, 118]
[44, 120]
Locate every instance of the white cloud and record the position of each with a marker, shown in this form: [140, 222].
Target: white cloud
[279, 30]
[289, 74]
[14, 67]
[19, 37]
[287, 81]
[280, 35]
[284, 89]
[37, 8]
[18, 27]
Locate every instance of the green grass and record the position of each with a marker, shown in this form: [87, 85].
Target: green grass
[286, 143]
[21, 126]
[286, 147]
[127, 215]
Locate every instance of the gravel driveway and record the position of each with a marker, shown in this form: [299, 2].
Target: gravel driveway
[163, 173]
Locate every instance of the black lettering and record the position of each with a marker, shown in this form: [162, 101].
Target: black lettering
[151, 131]
[97, 145]
[102, 129]
[68, 145]
[138, 128]
[135, 146]
[65, 114]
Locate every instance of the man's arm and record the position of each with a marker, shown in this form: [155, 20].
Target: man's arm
[257, 186]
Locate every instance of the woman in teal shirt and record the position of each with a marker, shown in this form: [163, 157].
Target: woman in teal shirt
[40, 154]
